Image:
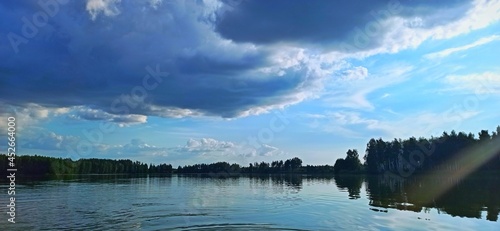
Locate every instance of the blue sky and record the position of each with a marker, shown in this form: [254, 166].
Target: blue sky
[185, 82]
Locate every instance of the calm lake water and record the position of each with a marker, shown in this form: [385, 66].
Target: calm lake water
[256, 203]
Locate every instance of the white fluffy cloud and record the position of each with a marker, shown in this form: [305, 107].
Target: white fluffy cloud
[28, 115]
[205, 145]
[209, 148]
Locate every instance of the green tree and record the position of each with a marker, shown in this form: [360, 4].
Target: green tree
[352, 160]
[295, 163]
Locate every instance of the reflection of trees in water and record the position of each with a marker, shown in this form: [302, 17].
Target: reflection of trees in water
[293, 182]
[98, 178]
[351, 183]
[290, 181]
[468, 197]
[387, 191]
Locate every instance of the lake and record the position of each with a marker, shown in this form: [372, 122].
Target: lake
[210, 202]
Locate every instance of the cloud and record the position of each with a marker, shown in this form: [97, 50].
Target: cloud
[449, 51]
[422, 124]
[205, 145]
[191, 58]
[164, 61]
[212, 149]
[353, 92]
[324, 22]
[85, 113]
[349, 118]
[64, 145]
[385, 95]
[357, 73]
[38, 140]
[478, 83]
[44, 140]
[28, 115]
[106, 7]
[414, 26]
[342, 122]
[136, 147]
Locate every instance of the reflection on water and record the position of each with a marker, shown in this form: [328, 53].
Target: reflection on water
[467, 197]
[351, 183]
[278, 202]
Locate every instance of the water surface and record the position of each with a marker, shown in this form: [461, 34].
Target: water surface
[256, 203]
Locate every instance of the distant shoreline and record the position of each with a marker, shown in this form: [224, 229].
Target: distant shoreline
[491, 173]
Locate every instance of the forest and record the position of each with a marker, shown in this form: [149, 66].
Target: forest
[42, 165]
[293, 165]
[447, 153]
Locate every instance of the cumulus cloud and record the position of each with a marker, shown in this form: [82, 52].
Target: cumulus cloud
[28, 115]
[264, 151]
[136, 147]
[194, 151]
[44, 140]
[205, 145]
[192, 58]
[209, 148]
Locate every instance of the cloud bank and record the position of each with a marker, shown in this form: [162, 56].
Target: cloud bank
[122, 61]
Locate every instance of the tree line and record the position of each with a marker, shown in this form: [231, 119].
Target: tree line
[449, 152]
[42, 165]
[293, 165]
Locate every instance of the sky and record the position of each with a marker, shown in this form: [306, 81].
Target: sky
[184, 82]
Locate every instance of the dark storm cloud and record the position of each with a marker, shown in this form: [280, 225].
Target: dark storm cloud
[105, 55]
[201, 64]
[323, 22]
